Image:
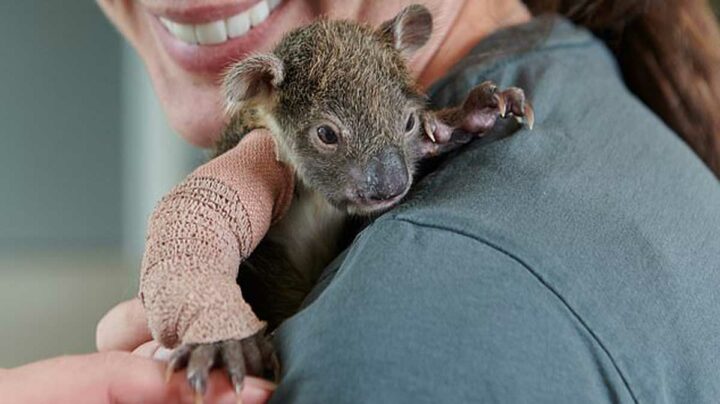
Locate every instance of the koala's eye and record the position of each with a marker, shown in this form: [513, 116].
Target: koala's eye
[327, 135]
[410, 125]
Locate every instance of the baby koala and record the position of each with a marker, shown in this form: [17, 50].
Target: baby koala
[348, 118]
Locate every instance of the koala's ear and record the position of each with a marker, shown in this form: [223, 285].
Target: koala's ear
[409, 30]
[255, 78]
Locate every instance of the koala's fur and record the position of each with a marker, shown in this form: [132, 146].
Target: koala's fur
[354, 77]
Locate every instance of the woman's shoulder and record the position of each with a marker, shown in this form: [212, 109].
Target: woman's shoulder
[601, 201]
[413, 305]
[596, 154]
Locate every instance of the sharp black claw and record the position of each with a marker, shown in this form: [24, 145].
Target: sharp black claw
[232, 356]
[201, 361]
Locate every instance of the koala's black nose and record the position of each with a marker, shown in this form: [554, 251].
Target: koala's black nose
[386, 176]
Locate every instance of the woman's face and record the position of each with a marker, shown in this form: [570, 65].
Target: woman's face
[186, 45]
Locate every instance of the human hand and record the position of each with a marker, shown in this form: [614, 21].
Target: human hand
[113, 377]
[124, 328]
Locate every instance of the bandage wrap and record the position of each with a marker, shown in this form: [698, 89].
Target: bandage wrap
[200, 233]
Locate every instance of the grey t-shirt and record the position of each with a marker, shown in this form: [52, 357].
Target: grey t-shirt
[575, 263]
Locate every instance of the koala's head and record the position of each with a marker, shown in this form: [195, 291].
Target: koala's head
[343, 108]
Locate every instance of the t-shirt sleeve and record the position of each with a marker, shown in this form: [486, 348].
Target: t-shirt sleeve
[423, 314]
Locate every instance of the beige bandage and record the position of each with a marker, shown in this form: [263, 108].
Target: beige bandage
[200, 233]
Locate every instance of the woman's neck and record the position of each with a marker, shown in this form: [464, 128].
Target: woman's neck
[471, 22]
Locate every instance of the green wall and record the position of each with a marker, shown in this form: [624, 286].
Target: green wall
[60, 159]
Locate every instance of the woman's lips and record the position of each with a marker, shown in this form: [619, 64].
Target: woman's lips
[202, 45]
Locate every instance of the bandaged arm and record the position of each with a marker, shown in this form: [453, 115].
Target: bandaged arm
[200, 233]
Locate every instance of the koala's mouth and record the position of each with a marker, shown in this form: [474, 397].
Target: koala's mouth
[359, 205]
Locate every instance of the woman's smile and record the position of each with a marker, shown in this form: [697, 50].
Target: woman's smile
[205, 39]
[187, 45]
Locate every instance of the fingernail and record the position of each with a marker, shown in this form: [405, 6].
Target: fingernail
[256, 394]
[147, 349]
[162, 354]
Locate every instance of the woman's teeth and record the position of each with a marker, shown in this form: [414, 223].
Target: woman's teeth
[217, 32]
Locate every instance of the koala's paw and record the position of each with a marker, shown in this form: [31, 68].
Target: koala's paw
[486, 102]
[449, 128]
[253, 356]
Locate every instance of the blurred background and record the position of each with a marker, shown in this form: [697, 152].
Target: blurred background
[85, 153]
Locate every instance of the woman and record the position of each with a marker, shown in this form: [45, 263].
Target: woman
[574, 263]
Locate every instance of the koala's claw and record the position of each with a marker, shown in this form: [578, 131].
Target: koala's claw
[449, 128]
[252, 356]
[486, 102]
[513, 100]
[501, 104]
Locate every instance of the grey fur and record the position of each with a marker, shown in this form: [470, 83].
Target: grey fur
[338, 73]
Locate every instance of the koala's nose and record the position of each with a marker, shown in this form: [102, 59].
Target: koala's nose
[386, 176]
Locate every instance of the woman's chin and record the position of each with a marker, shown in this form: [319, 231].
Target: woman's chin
[200, 122]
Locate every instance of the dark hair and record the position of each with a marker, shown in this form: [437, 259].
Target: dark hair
[669, 52]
